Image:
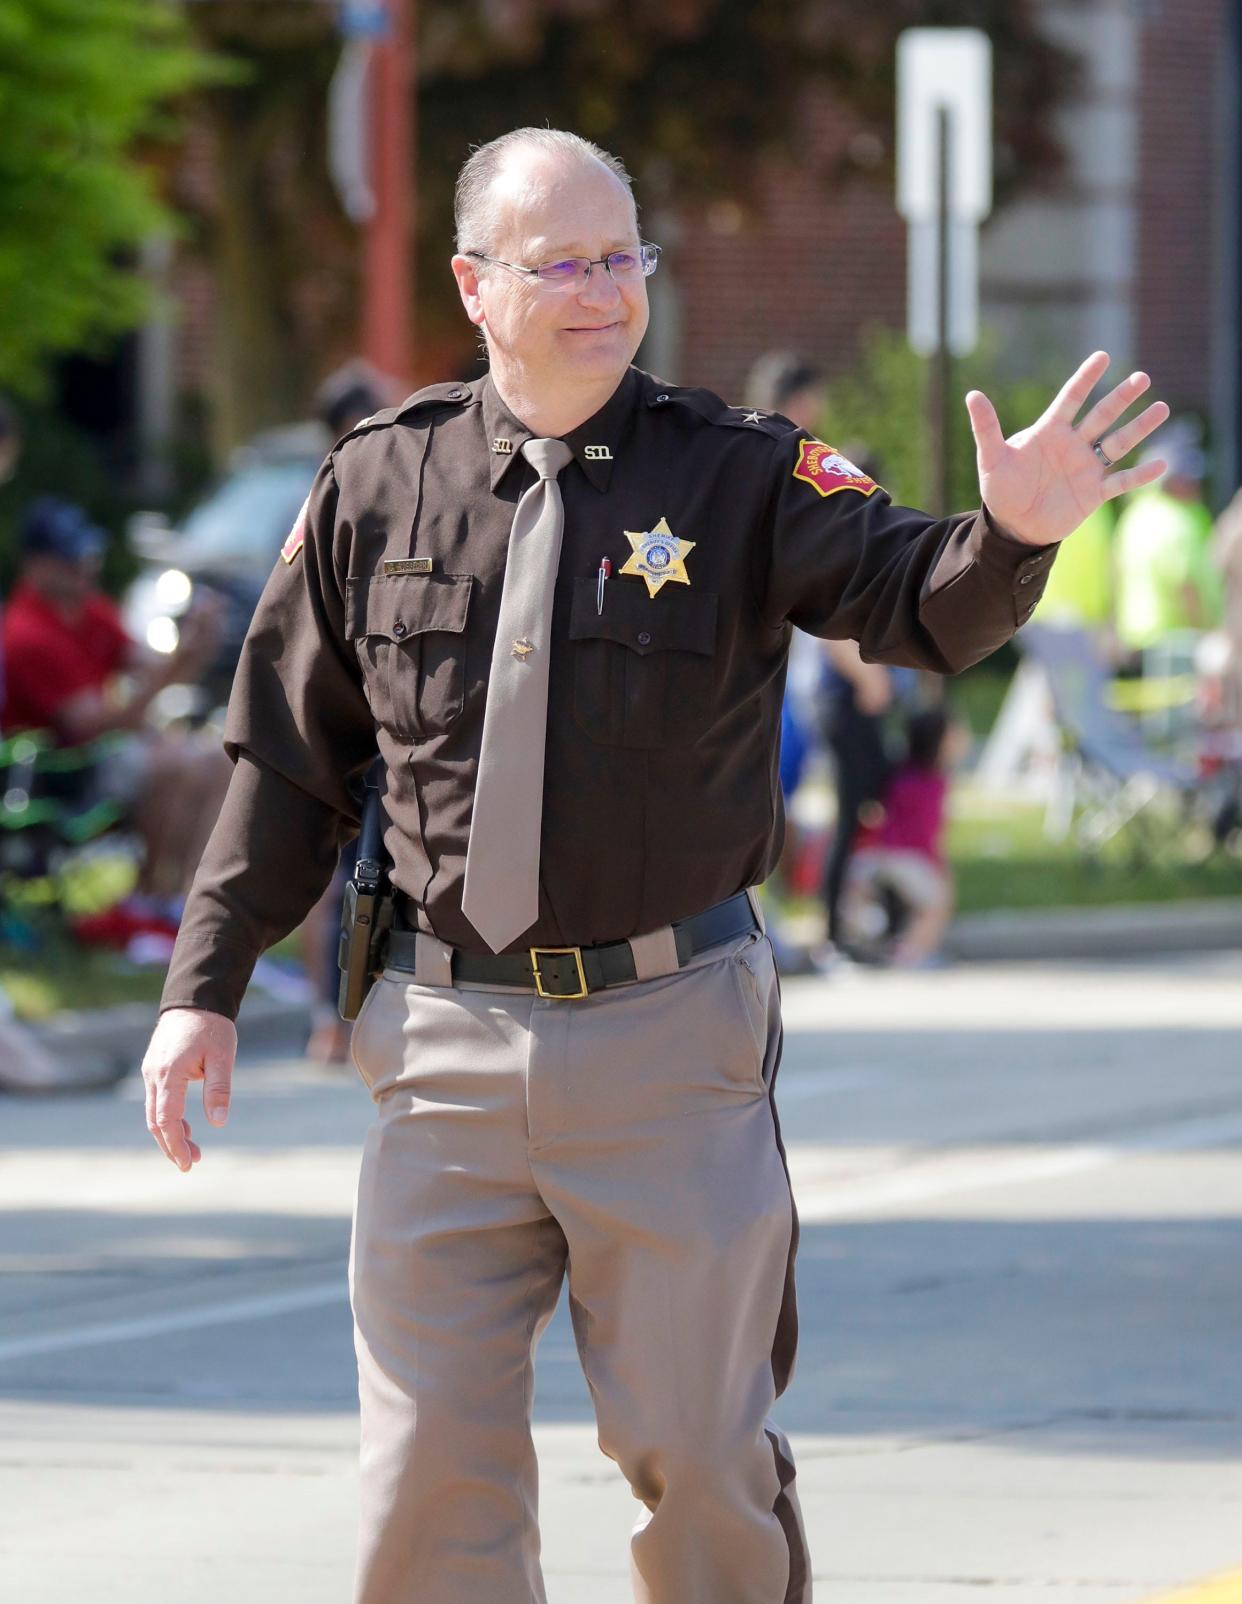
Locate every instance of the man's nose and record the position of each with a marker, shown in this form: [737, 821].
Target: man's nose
[599, 289]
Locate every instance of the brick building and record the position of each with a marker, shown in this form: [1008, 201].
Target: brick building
[1135, 247]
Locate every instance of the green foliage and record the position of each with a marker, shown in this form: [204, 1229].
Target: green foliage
[879, 410]
[80, 87]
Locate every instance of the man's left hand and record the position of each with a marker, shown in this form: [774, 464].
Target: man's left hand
[1041, 483]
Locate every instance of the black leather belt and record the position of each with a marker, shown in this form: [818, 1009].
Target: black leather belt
[571, 972]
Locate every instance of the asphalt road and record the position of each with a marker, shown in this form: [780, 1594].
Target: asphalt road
[1020, 1279]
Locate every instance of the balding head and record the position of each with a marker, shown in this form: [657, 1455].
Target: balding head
[515, 173]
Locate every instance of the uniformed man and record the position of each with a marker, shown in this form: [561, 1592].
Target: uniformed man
[559, 598]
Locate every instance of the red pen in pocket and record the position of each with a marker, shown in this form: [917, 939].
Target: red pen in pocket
[605, 572]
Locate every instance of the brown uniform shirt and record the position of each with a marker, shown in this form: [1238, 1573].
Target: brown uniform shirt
[661, 794]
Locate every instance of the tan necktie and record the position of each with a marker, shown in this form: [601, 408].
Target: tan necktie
[501, 896]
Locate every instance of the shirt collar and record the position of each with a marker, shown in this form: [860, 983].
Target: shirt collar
[505, 435]
[594, 443]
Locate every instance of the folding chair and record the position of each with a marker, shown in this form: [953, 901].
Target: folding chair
[1110, 777]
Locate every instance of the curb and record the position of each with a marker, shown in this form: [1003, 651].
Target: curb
[118, 1036]
[1138, 929]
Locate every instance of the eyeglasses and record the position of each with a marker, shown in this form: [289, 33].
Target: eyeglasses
[574, 272]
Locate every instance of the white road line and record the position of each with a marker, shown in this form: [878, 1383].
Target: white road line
[183, 1320]
[836, 1200]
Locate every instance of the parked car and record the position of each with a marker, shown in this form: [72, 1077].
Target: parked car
[226, 546]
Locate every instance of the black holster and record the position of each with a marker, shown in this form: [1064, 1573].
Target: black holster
[366, 915]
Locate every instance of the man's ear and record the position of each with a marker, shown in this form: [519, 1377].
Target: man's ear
[465, 271]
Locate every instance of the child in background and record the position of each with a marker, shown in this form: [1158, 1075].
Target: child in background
[899, 852]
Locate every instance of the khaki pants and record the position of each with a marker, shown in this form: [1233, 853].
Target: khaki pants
[630, 1141]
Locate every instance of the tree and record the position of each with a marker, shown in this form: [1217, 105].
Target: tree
[84, 92]
[695, 94]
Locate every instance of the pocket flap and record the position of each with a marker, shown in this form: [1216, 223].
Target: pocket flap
[399, 606]
[675, 619]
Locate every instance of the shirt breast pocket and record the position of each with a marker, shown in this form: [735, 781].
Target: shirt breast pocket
[644, 668]
[409, 632]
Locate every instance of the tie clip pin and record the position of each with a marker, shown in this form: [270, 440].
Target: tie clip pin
[408, 565]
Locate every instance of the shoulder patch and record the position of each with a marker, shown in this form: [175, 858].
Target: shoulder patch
[823, 467]
[297, 535]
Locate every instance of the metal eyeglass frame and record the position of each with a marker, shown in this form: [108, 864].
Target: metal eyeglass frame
[648, 260]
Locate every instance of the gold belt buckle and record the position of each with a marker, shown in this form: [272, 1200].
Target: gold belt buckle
[556, 952]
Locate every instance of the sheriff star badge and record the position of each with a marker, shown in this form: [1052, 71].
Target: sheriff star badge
[658, 556]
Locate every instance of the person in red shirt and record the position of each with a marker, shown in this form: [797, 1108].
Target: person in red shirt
[899, 848]
[64, 649]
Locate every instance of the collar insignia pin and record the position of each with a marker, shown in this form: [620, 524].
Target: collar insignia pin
[502, 447]
[658, 556]
[597, 453]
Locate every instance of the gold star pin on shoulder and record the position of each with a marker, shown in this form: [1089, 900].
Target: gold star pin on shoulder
[658, 556]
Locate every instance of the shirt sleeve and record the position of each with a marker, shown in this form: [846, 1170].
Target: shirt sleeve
[845, 563]
[300, 733]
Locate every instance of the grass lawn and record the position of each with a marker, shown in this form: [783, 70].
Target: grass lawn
[61, 976]
[1002, 859]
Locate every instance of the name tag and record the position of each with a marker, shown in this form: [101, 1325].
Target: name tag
[409, 565]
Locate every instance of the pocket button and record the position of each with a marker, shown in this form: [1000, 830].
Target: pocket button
[644, 637]
[398, 629]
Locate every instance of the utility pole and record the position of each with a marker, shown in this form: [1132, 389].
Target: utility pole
[371, 157]
[388, 261]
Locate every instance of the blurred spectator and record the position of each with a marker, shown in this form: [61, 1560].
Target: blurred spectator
[899, 855]
[65, 650]
[1227, 552]
[782, 382]
[1080, 584]
[353, 392]
[856, 697]
[1163, 567]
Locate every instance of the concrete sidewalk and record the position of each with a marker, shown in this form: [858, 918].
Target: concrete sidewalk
[1021, 1224]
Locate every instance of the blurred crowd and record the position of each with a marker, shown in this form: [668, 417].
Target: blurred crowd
[1149, 592]
[1156, 586]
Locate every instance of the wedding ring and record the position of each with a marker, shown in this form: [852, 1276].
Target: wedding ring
[1103, 455]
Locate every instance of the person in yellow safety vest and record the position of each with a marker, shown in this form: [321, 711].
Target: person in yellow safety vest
[1080, 586]
[1165, 578]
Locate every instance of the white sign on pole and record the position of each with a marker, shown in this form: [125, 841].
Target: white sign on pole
[945, 70]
